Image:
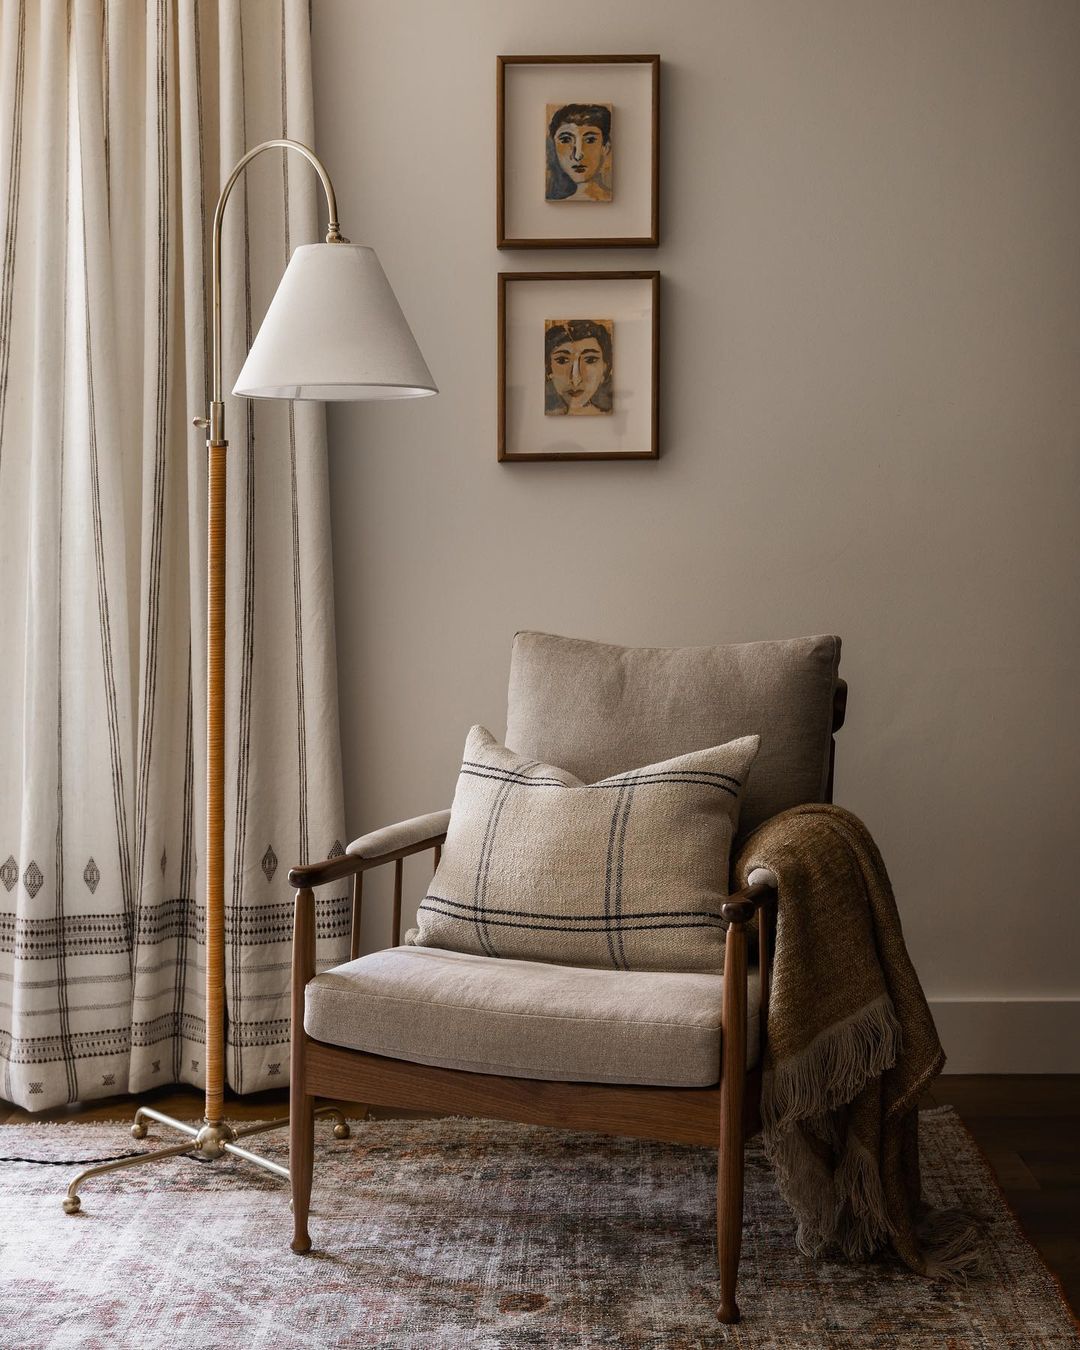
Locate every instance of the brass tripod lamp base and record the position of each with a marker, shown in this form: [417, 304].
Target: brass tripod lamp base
[206, 1142]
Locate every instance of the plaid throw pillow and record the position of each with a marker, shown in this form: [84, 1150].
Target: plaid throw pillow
[627, 873]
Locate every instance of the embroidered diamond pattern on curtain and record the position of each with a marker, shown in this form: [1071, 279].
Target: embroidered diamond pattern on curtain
[116, 122]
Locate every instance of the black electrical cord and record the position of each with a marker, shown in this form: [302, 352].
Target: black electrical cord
[92, 1162]
[80, 1162]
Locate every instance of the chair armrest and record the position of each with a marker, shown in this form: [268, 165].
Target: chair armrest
[419, 832]
[744, 904]
[758, 897]
[378, 847]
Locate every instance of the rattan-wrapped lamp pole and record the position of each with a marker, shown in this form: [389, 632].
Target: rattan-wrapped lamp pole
[334, 331]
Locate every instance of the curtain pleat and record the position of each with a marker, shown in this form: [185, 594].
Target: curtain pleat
[117, 124]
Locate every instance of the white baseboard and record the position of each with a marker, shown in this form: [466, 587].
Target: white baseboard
[1009, 1035]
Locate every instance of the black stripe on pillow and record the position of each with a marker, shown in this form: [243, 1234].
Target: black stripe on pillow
[601, 929]
[517, 780]
[572, 918]
[631, 776]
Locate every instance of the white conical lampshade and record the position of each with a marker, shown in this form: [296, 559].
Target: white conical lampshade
[334, 330]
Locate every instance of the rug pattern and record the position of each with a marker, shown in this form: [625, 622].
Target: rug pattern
[470, 1233]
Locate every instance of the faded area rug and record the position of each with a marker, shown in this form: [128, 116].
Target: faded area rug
[463, 1233]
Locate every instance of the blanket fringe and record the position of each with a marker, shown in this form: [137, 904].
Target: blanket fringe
[845, 1208]
[862, 1224]
[834, 1067]
[842, 1204]
[807, 1187]
[950, 1241]
[840, 1201]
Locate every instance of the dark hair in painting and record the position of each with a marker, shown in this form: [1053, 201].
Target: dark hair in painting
[579, 115]
[575, 330]
[583, 115]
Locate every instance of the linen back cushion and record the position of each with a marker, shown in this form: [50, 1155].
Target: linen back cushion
[628, 873]
[599, 710]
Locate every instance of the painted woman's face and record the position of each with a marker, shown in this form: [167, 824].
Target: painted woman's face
[577, 372]
[580, 151]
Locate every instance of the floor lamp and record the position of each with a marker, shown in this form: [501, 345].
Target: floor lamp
[334, 331]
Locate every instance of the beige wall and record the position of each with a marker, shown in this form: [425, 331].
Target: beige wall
[870, 423]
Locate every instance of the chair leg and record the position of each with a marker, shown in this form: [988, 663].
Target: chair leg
[301, 1165]
[729, 1215]
[729, 1176]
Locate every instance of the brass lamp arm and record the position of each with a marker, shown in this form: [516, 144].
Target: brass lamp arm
[216, 421]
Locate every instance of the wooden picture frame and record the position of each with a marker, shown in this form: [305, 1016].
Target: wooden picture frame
[610, 317]
[528, 87]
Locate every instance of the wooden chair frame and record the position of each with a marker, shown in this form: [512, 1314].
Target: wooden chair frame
[723, 1116]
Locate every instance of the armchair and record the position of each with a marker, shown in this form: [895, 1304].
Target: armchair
[426, 1029]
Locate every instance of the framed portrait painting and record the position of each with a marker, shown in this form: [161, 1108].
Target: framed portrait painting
[579, 362]
[578, 151]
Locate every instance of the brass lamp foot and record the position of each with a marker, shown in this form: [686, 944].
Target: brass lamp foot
[208, 1141]
[72, 1203]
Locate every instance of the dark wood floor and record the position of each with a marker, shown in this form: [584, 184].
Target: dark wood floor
[1028, 1126]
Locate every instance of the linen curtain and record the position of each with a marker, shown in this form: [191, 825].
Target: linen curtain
[118, 122]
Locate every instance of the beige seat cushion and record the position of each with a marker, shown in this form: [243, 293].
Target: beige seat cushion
[598, 710]
[526, 1019]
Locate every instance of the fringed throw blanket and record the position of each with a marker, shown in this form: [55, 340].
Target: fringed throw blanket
[851, 1045]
